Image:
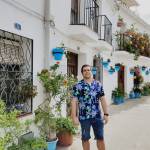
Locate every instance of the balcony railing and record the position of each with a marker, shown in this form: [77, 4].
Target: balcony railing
[133, 45]
[86, 12]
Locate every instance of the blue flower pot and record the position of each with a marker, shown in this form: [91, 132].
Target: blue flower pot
[105, 64]
[147, 72]
[131, 73]
[131, 95]
[58, 53]
[94, 70]
[118, 100]
[137, 95]
[117, 68]
[52, 145]
[111, 71]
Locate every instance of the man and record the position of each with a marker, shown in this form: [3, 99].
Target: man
[87, 95]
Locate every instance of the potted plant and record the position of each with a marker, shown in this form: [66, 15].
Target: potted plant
[94, 70]
[106, 63]
[57, 92]
[131, 94]
[138, 80]
[117, 96]
[12, 129]
[58, 52]
[147, 72]
[137, 92]
[111, 70]
[117, 66]
[46, 123]
[25, 91]
[143, 68]
[146, 89]
[120, 21]
[65, 131]
[132, 70]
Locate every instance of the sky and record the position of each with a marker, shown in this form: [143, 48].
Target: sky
[144, 9]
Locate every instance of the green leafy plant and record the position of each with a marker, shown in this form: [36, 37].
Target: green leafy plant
[135, 42]
[46, 121]
[117, 93]
[57, 88]
[26, 90]
[146, 89]
[11, 128]
[29, 144]
[65, 125]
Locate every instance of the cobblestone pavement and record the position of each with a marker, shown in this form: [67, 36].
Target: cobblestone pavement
[128, 127]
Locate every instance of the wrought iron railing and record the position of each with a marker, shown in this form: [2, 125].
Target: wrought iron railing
[105, 29]
[16, 70]
[130, 44]
[86, 12]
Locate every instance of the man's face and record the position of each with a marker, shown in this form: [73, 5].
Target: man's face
[87, 74]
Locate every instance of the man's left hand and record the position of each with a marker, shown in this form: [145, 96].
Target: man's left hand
[106, 119]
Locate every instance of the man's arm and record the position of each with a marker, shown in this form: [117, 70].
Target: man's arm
[105, 108]
[74, 108]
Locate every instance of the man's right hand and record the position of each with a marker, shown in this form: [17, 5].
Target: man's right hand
[75, 121]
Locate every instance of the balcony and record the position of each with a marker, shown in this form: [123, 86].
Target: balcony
[134, 43]
[87, 24]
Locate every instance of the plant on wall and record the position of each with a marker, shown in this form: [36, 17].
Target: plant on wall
[135, 42]
[120, 21]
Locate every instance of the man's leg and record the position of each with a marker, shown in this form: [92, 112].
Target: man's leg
[98, 128]
[85, 128]
[100, 144]
[86, 145]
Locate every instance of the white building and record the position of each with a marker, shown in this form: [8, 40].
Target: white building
[30, 29]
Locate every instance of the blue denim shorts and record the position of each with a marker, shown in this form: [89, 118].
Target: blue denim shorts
[97, 125]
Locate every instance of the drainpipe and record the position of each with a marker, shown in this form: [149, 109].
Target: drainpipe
[47, 22]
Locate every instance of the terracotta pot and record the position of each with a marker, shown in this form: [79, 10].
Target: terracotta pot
[65, 138]
[120, 23]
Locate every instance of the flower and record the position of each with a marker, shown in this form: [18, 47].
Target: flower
[65, 82]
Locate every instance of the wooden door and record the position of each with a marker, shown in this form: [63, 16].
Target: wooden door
[121, 78]
[72, 64]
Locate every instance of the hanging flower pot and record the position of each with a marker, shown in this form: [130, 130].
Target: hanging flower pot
[94, 70]
[111, 70]
[58, 53]
[143, 68]
[117, 67]
[132, 71]
[120, 22]
[147, 72]
[108, 60]
[106, 63]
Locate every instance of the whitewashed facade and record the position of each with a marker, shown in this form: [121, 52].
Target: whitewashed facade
[48, 24]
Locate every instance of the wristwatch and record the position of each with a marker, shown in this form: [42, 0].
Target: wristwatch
[106, 114]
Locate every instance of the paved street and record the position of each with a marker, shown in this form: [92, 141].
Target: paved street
[128, 129]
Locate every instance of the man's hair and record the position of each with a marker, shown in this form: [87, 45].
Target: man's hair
[85, 65]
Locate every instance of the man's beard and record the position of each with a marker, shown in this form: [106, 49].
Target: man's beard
[89, 77]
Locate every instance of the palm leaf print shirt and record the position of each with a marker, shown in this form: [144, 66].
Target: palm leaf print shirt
[88, 96]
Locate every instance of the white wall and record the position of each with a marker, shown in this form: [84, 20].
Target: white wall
[32, 28]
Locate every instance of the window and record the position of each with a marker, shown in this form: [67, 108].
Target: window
[15, 70]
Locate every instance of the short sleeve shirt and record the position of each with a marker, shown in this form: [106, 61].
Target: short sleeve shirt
[88, 99]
